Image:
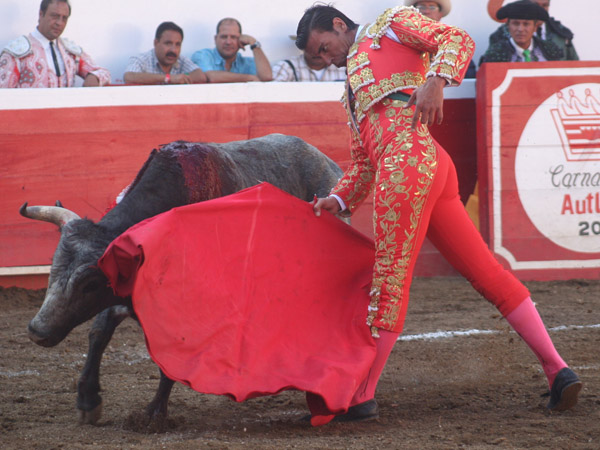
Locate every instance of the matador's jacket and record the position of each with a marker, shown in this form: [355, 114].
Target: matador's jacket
[23, 64]
[389, 59]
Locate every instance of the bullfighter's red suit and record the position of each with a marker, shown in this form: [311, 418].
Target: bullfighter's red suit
[414, 180]
[23, 64]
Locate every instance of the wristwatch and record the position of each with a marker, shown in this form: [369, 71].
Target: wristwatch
[255, 45]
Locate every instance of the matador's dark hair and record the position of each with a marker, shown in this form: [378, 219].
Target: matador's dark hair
[319, 17]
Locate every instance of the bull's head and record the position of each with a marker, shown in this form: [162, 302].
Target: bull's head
[77, 289]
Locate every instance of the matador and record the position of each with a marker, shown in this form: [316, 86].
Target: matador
[397, 68]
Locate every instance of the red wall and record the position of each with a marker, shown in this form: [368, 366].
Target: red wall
[84, 156]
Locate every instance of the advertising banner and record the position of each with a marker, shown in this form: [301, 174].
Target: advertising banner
[539, 164]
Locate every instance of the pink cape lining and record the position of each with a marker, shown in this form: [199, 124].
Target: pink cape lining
[251, 294]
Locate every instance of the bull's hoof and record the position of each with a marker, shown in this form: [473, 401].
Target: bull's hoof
[90, 417]
[141, 422]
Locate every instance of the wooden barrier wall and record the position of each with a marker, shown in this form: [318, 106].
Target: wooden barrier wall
[84, 145]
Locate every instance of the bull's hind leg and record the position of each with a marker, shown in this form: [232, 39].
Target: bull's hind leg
[89, 402]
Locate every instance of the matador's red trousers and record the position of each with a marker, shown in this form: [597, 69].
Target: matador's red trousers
[416, 194]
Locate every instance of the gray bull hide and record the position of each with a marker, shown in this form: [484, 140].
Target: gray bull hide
[178, 173]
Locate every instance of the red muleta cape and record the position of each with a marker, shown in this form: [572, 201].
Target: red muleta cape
[251, 294]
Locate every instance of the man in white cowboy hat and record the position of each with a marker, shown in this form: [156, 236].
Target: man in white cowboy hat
[433, 9]
[436, 10]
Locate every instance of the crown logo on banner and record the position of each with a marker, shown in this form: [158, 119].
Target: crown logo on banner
[578, 124]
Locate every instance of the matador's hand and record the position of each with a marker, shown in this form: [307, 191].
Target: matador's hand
[328, 204]
[429, 102]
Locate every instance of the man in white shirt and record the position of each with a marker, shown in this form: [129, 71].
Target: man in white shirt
[304, 67]
[44, 59]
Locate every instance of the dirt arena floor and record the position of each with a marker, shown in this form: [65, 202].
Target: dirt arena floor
[470, 390]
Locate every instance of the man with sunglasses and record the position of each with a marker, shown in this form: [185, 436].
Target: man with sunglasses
[433, 9]
[436, 10]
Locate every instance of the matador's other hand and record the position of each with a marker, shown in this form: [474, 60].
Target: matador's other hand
[328, 204]
[429, 102]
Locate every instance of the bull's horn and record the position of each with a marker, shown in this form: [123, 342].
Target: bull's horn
[52, 214]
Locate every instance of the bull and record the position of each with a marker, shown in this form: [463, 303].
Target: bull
[176, 174]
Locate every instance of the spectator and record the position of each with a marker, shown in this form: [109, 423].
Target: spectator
[436, 10]
[551, 30]
[521, 44]
[307, 68]
[224, 64]
[44, 59]
[163, 64]
[554, 31]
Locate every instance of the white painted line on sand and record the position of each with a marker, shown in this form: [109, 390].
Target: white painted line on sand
[460, 333]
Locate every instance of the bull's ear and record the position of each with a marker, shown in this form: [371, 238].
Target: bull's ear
[52, 214]
[59, 204]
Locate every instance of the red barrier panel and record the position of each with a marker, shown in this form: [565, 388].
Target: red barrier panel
[83, 146]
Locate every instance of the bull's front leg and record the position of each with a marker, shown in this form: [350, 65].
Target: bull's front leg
[154, 418]
[157, 408]
[89, 402]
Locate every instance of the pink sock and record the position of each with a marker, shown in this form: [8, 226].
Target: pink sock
[366, 390]
[526, 321]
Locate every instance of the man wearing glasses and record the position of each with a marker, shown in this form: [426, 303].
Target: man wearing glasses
[436, 10]
[433, 9]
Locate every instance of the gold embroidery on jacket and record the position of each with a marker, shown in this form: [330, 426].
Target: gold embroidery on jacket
[381, 89]
[360, 79]
[356, 62]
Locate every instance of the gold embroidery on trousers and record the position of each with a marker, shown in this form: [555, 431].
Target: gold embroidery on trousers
[396, 226]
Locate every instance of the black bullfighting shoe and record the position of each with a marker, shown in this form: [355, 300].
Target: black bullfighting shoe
[565, 390]
[363, 411]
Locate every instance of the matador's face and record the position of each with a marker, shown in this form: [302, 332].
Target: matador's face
[331, 46]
